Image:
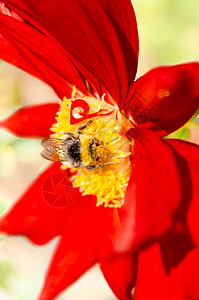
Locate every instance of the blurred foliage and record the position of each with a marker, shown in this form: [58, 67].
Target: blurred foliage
[9, 89]
[16, 284]
[168, 30]
[6, 272]
[183, 133]
[2, 205]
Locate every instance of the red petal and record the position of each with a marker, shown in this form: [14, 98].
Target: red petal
[104, 51]
[119, 269]
[120, 273]
[46, 208]
[189, 151]
[153, 194]
[153, 282]
[175, 246]
[32, 121]
[123, 13]
[190, 207]
[165, 98]
[32, 51]
[74, 255]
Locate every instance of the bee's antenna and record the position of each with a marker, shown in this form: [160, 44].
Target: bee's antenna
[110, 142]
[113, 140]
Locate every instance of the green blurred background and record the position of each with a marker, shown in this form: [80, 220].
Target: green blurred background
[169, 34]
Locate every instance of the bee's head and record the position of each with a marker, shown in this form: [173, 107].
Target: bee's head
[101, 150]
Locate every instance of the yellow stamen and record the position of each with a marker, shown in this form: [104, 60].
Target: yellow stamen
[101, 172]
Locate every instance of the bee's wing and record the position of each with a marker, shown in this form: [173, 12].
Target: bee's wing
[54, 149]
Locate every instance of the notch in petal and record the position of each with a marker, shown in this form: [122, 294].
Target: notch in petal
[119, 269]
[190, 209]
[120, 273]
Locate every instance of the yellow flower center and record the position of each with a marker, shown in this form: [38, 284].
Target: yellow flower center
[97, 153]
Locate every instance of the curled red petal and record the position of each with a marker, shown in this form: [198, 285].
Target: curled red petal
[84, 109]
[154, 283]
[165, 98]
[153, 193]
[46, 208]
[31, 50]
[83, 113]
[75, 253]
[104, 51]
[32, 121]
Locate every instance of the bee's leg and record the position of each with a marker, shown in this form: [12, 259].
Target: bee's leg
[67, 134]
[93, 167]
[82, 127]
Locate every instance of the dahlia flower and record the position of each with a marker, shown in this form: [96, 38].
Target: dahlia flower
[130, 199]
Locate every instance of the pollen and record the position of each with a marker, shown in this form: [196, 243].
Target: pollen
[105, 166]
[105, 183]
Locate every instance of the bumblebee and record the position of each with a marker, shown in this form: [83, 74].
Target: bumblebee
[75, 150]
